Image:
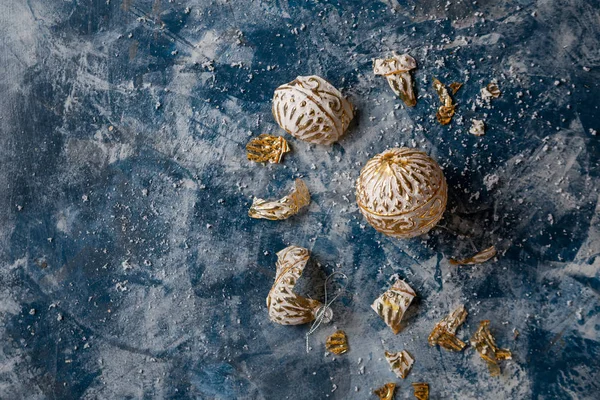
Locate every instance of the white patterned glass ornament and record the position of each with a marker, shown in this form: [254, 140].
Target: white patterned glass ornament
[285, 306]
[402, 192]
[312, 109]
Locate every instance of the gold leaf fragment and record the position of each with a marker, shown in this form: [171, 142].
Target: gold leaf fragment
[446, 110]
[494, 90]
[477, 127]
[337, 343]
[267, 148]
[478, 258]
[392, 304]
[455, 86]
[421, 390]
[396, 70]
[386, 392]
[285, 306]
[444, 332]
[484, 343]
[400, 362]
[284, 207]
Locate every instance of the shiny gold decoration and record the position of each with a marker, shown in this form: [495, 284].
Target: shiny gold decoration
[478, 258]
[421, 390]
[267, 148]
[312, 109]
[455, 86]
[285, 306]
[397, 69]
[392, 304]
[444, 332]
[337, 343]
[284, 207]
[402, 192]
[477, 127]
[386, 392]
[446, 110]
[493, 90]
[400, 362]
[484, 343]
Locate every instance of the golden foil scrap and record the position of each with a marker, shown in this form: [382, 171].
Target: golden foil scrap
[312, 109]
[337, 343]
[478, 258]
[491, 91]
[444, 332]
[421, 390]
[284, 207]
[446, 110]
[402, 192]
[477, 127]
[484, 343]
[386, 392]
[396, 70]
[400, 362]
[455, 86]
[267, 148]
[285, 306]
[392, 304]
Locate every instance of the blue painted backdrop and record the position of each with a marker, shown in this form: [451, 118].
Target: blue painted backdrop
[128, 265]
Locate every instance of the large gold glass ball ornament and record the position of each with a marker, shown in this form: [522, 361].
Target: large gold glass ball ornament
[312, 109]
[402, 192]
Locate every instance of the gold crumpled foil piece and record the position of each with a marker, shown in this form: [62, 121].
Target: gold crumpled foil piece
[421, 390]
[493, 90]
[285, 306]
[386, 392]
[396, 70]
[392, 304]
[478, 258]
[484, 343]
[477, 127]
[337, 343]
[400, 362]
[446, 110]
[455, 86]
[267, 148]
[444, 332]
[284, 207]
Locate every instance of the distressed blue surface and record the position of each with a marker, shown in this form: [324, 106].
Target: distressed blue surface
[128, 265]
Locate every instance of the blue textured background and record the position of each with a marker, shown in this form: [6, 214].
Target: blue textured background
[128, 265]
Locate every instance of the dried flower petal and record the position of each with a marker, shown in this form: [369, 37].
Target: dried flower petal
[455, 86]
[444, 332]
[484, 343]
[478, 258]
[396, 70]
[400, 362]
[477, 127]
[282, 208]
[386, 392]
[446, 110]
[267, 148]
[337, 343]
[392, 304]
[285, 306]
[421, 390]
